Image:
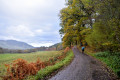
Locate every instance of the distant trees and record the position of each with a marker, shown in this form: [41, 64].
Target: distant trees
[95, 22]
[18, 51]
[51, 48]
[1, 50]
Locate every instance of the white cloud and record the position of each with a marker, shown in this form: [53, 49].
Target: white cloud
[41, 44]
[21, 7]
[9, 38]
[39, 31]
[31, 8]
[20, 31]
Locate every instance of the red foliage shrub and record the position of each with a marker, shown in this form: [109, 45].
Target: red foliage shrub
[39, 64]
[21, 68]
[66, 49]
[72, 46]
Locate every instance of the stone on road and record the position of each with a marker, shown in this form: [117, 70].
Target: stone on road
[82, 67]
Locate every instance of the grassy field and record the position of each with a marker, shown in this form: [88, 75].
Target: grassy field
[30, 57]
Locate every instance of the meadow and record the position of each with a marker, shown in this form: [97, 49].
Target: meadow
[30, 57]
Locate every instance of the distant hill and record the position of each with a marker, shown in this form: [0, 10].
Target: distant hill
[55, 45]
[58, 46]
[13, 44]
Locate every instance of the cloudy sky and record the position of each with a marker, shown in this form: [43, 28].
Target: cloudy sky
[33, 21]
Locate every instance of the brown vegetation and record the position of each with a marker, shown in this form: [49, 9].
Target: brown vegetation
[21, 68]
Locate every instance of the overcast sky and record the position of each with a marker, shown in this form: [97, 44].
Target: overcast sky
[33, 21]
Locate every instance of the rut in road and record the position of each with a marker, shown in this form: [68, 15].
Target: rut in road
[82, 67]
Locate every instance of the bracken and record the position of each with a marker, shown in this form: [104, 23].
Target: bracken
[21, 68]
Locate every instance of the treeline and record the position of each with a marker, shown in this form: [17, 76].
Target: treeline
[95, 23]
[2, 50]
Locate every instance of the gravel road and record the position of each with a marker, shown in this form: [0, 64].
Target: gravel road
[82, 67]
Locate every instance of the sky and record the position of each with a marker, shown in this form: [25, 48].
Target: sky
[35, 22]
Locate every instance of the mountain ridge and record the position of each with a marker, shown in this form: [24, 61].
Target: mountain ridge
[13, 44]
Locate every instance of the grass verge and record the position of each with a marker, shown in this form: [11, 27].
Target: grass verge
[44, 72]
[50, 69]
[112, 60]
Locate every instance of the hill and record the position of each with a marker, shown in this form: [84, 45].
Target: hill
[58, 46]
[13, 44]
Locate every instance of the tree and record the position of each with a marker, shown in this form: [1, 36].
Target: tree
[96, 22]
[1, 50]
[106, 30]
[73, 20]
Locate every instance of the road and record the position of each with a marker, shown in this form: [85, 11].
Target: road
[82, 67]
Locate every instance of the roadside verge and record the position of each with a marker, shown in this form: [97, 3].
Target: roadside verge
[45, 73]
[110, 62]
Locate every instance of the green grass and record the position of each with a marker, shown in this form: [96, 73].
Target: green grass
[46, 71]
[111, 59]
[30, 57]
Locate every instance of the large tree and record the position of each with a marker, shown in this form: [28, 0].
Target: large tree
[96, 22]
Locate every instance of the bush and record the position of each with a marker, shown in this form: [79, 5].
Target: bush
[102, 54]
[21, 68]
[66, 49]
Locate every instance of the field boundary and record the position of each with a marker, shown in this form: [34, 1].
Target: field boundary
[50, 71]
[61, 68]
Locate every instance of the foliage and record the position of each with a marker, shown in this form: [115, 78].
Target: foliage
[73, 19]
[46, 71]
[105, 33]
[21, 68]
[96, 22]
[111, 59]
[66, 49]
[31, 57]
[102, 54]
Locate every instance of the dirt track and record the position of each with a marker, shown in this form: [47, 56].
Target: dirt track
[83, 67]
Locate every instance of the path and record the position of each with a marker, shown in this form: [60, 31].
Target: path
[82, 67]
